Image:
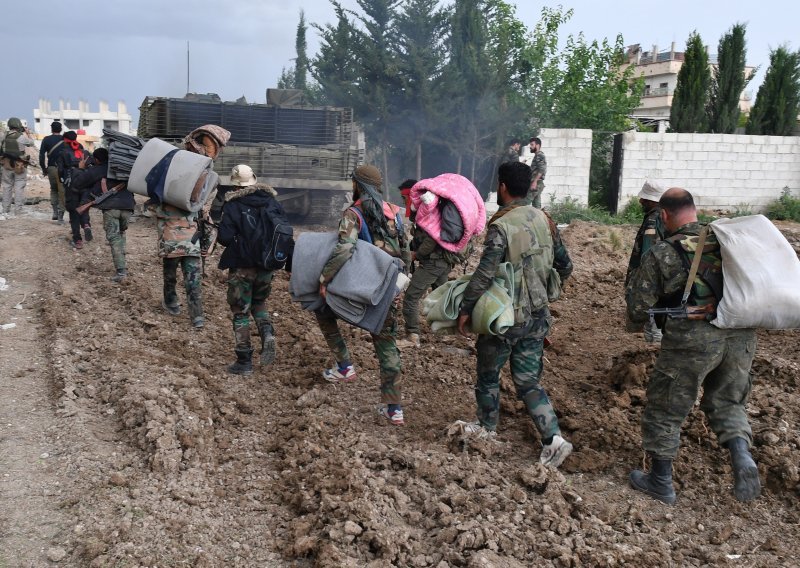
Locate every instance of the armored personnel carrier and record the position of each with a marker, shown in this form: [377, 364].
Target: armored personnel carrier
[306, 153]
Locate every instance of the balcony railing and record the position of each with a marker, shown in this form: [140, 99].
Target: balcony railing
[658, 92]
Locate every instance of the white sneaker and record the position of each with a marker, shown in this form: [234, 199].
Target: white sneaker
[556, 452]
[473, 429]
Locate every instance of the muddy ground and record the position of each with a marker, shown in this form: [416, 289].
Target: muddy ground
[139, 450]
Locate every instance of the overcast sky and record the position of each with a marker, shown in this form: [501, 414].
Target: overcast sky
[126, 50]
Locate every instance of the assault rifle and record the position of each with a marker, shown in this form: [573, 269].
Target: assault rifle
[683, 312]
[103, 196]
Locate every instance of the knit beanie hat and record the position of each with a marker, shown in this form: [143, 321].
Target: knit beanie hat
[368, 175]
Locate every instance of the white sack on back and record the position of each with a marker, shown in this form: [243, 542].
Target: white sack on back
[761, 275]
[183, 174]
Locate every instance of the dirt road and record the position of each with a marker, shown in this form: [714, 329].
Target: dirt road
[130, 446]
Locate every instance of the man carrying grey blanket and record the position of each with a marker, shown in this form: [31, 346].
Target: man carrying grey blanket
[370, 219]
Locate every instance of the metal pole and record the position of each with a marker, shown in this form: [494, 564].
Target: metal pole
[187, 67]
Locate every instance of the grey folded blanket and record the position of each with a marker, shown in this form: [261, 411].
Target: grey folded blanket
[362, 291]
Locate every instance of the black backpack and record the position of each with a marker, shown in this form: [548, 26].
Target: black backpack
[277, 241]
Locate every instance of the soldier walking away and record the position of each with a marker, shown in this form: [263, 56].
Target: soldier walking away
[432, 270]
[117, 209]
[14, 162]
[524, 236]
[693, 354]
[369, 218]
[177, 246]
[242, 231]
[72, 158]
[539, 170]
[650, 232]
[48, 152]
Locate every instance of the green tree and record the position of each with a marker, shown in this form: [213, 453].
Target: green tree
[688, 112]
[421, 57]
[776, 107]
[728, 80]
[334, 67]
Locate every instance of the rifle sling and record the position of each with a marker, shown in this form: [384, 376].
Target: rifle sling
[701, 243]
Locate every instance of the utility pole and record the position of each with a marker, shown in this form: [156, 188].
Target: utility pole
[187, 67]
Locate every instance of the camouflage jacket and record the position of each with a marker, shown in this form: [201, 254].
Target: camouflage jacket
[650, 232]
[499, 245]
[510, 155]
[348, 231]
[661, 279]
[176, 229]
[539, 165]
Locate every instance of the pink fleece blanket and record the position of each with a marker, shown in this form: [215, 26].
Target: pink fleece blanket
[462, 193]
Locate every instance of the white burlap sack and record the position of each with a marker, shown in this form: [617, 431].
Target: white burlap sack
[761, 275]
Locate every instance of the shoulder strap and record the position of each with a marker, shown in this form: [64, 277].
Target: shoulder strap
[50, 151]
[701, 243]
[502, 212]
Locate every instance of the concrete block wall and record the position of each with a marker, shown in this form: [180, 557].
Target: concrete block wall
[722, 171]
[569, 156]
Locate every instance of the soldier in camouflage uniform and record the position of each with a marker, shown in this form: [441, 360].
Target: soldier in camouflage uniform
[433, 268]
[249, 283]
[694, 354]
[512, 152]
[524, 236]
[370, 219]
[177, 245]
[14, 165]
[650, 232]
[539, 170]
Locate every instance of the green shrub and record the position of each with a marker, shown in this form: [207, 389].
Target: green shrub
[633, 212]
[785, 208]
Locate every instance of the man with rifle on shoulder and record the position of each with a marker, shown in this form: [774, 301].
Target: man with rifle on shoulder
[681, 278]
[113, 199]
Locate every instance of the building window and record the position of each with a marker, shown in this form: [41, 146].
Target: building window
[111, 124]
[71, 124]
[662, 86]
[646, 90]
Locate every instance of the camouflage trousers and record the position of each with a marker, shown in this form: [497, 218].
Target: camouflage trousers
[248, 290]
[385, 349]
[429, 273]
[715, 359]
[526, 371]
[192, 280]
[56, 190]
[535, 195]
[115, 223]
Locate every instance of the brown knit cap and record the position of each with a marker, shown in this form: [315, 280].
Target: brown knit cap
[369, 175]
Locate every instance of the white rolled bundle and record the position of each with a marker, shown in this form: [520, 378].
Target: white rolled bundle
[189, 178]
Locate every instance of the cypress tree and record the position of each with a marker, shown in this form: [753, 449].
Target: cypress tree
[301, 63]
[728, 81]
[688, 112]
[778, 98]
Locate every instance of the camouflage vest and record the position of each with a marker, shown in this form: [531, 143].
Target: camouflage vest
[707, 287]
[529, 248]
[11, 145]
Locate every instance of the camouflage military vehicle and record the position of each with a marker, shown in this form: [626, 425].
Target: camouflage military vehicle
[306, 153]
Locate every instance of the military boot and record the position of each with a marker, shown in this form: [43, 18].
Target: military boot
[56, 215]
[746, 484]
[657, 483]
[267, 344]
[243, 364]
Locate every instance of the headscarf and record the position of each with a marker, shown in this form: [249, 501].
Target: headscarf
[71, 140]
[207, 140]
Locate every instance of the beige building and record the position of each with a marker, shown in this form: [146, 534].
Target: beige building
[660, 72]
[82, 118]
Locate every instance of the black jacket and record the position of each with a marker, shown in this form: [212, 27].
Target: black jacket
[48, 143]
[89, 183]
[240, 216]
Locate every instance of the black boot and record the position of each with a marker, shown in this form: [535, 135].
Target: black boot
[746, 485]
[267, 344]
[244, 362]
[56, 215]
[657, 483]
